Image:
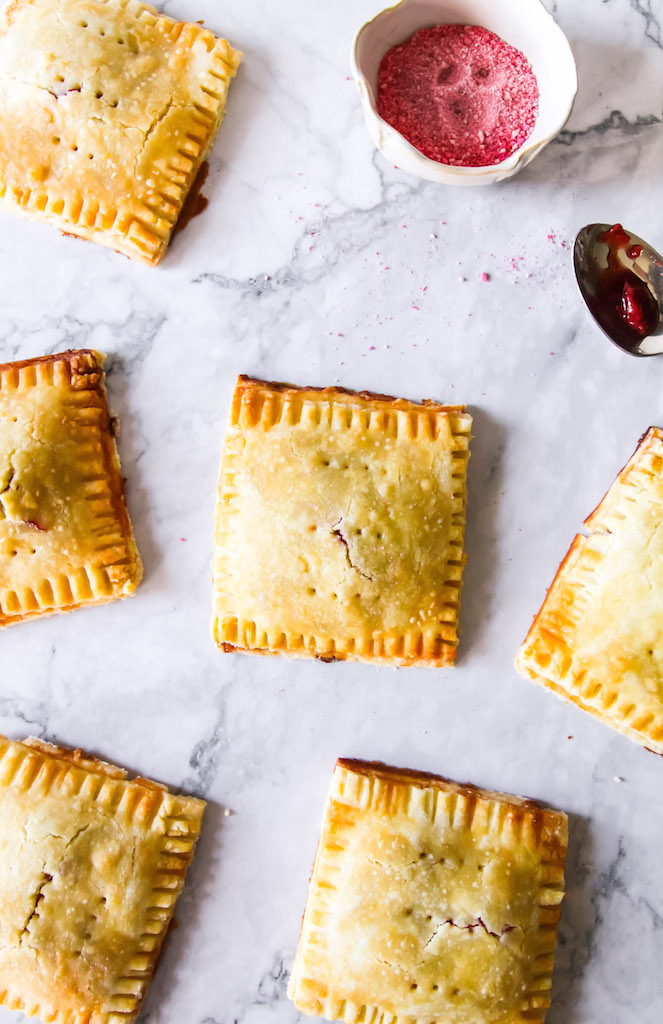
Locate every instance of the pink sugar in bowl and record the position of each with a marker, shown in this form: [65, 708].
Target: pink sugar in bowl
[464, 92]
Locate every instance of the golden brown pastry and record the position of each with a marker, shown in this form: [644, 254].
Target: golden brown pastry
[107, 110]
[91, 865]
[339, 525]
[65, 535]
[598, 639]
[429, 901]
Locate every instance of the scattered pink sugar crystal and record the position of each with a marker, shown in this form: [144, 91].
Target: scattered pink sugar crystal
[485, 276]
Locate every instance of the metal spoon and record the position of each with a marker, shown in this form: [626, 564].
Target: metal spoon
[598, 263]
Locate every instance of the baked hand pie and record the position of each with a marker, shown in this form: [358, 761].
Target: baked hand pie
[429, 901]
[597, 641]
[339, 525]
[91, 866]
[107, 111]
[65, 535]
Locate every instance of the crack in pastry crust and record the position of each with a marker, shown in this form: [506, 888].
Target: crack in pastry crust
[597, 640]
[91, 865]
[107, 111]
[429, 902]
[339, 525]
[39, 895]
[65, 534]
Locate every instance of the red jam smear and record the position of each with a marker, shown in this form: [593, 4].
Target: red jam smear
[459, 94]
[622, 303]
[633, 309]
[35, 525]
[195, 203]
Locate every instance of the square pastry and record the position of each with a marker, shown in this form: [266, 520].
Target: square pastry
[91, 865]
[597, 641]
[429, 902]
[339, 525]
[65, 535]
[107, 110]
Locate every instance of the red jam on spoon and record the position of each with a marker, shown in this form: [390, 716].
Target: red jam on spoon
[621, 302]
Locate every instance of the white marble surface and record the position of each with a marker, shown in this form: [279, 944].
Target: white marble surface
[318, 263]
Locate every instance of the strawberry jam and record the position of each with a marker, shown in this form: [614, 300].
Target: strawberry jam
[621, 302]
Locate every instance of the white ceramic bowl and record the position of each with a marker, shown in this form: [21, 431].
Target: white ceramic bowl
[524, 24]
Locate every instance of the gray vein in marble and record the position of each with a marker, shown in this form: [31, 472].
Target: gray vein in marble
[652, 24]
[205, 757]
[589, 900]
[578, 924]
[273, 985]
[271, 993]
[615, 121]
[362, 224]
[32, 714]
[143, 332]
[137, 332]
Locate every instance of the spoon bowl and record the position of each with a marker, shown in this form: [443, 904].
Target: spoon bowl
[620, 278]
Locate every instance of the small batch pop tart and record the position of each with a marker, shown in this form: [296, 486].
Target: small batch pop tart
[339, 525]
[65, 535]
[91, 866]
[107, 111]
[429, 903]
[597, 641]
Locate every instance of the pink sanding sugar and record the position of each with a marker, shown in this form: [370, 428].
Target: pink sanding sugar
[459, 94]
